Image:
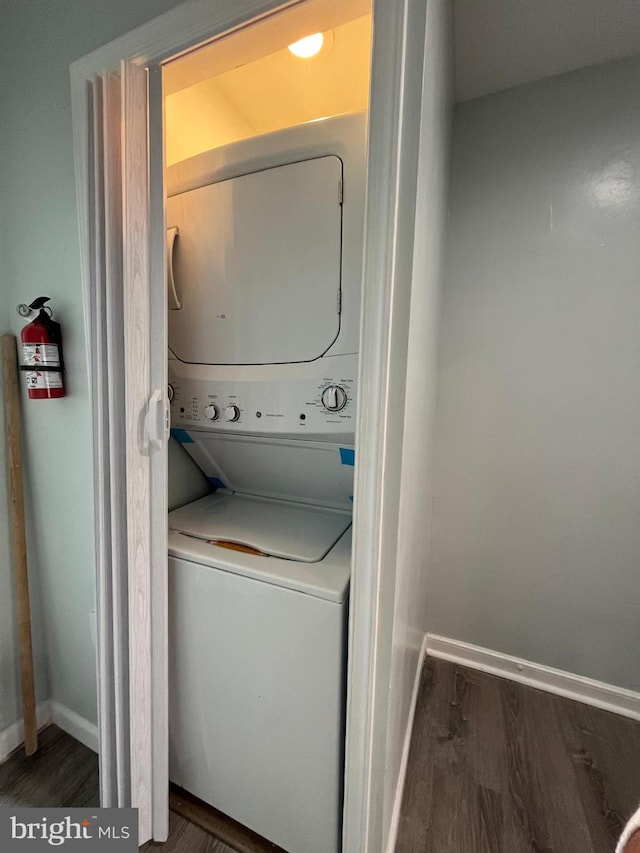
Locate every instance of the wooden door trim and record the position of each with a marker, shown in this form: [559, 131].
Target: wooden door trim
[137, 342]
[158, 377]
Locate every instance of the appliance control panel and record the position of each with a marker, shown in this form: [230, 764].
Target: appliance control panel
[311, 400]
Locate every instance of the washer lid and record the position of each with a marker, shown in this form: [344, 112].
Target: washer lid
[278, 528]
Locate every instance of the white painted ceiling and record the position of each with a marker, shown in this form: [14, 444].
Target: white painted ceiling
[505, 43]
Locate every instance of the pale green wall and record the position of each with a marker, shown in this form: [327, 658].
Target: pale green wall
[40, 255]
[535, 539]
[9, 675]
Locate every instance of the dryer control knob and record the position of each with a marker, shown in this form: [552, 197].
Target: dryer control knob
[232, 413]
[334, 398]
[170, 392]
[211, 412]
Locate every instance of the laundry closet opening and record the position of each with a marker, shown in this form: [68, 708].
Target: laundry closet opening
[265, 180]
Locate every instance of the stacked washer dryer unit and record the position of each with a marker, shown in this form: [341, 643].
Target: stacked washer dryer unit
[264, 250]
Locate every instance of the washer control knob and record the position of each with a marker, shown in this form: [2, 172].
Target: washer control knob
[232, 413]
[170, 392]
[211, 412]
[334, 398]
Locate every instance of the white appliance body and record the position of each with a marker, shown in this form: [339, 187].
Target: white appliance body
[257, 675]
[264, 270]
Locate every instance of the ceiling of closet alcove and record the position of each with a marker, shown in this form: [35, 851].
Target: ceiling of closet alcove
[505, 43]
[250, 83]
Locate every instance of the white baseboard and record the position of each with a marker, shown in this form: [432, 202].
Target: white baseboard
[13, 735]
[75, 725]
[586, 690]
[50, 711]
[402, 775]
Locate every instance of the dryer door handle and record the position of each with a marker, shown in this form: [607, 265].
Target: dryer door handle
[175, 302]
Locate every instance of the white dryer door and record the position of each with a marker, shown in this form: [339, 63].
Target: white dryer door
[257, 264]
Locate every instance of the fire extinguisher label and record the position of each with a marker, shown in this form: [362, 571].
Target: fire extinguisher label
[43, 379]
[45, 354]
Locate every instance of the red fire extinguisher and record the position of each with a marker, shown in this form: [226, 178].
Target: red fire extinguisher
[41, 360]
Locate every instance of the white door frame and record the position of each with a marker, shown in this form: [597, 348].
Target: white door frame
[394, 129]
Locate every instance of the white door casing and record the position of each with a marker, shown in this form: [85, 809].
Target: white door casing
[394, 136]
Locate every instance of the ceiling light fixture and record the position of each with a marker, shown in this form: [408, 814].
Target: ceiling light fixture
[307, 47]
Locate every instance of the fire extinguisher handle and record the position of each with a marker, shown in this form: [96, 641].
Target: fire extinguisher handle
[29, 310]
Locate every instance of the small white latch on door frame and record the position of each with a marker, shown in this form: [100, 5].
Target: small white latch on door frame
[157, 420]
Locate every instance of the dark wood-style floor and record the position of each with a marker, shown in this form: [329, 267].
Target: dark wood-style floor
[186, 837]
[195, 827]
[63, 772]
[496, 767]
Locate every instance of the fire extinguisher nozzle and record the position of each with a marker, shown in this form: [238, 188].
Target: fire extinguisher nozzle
[39, 303]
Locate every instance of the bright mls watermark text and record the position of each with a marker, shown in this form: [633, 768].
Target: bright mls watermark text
[33, 830]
